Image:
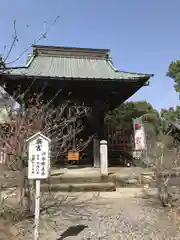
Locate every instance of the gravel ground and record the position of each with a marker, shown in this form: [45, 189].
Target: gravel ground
[104, 217]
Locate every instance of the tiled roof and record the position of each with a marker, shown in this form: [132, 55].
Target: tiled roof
[77, 66]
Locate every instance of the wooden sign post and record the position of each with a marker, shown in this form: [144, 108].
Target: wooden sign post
[73, 155]
[38, 168]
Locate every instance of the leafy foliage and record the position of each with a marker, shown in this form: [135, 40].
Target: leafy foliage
[174, 73]
[171, 114]
[124, 114]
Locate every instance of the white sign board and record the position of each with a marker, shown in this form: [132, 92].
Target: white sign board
[38, 157]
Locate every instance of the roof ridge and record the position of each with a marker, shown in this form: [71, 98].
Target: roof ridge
[74, 57]
[70, 48]
[69, 51]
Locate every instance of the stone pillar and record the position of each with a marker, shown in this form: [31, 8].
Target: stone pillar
[104, 157]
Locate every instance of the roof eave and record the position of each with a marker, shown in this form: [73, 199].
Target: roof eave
[145, 78]
[121, 71]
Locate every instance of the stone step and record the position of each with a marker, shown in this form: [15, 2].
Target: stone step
[120, 180]
[77, 179]
[77, 187]
[132, 180]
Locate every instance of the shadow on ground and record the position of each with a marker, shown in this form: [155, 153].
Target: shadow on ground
[72, 231]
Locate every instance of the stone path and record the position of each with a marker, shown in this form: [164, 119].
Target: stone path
[104, 217]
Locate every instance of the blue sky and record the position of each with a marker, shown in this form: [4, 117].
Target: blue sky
[144, 36]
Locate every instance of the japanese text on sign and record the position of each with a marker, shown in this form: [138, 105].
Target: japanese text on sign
[38, 164]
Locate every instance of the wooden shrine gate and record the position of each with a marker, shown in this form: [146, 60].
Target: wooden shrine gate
[120, 148]
[120, 145]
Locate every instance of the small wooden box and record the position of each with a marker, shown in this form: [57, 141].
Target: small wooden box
[73, 155]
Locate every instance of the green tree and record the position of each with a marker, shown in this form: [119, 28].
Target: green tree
[124, 114]
[174, 73]
[171, 114]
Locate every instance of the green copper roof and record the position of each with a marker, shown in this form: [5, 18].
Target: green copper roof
[71, 63]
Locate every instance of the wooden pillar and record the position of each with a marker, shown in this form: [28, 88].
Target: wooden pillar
[96, 152]
[98, 114]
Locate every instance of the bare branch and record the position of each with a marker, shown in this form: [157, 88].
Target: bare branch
[62, 124]
[15, 39]
[44, 35]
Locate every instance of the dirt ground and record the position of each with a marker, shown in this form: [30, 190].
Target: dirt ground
[124, 214]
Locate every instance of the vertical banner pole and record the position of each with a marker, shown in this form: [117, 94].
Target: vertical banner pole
[37, 210]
